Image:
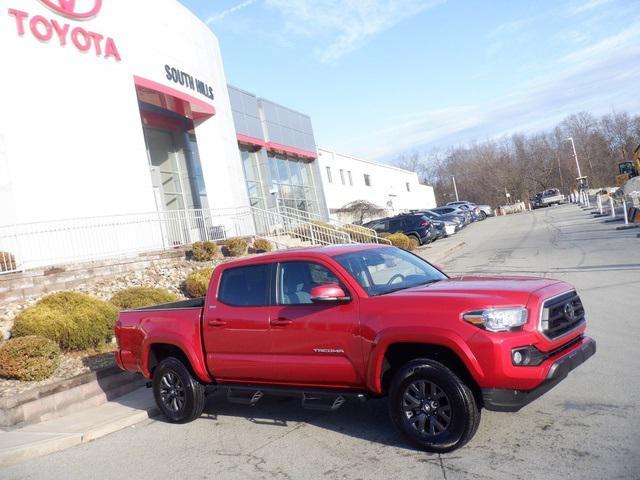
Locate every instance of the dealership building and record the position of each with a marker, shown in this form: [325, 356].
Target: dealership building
[346, 178]
[119, 133]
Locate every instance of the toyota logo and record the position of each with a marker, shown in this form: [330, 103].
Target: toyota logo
[75, 9]
[570, 312]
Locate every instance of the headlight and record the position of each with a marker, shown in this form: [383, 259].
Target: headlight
[497, 319]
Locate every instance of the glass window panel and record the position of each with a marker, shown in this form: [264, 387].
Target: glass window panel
[250, 165]
[296, 172]
[246, 286]
[283, 170]
[273, 168]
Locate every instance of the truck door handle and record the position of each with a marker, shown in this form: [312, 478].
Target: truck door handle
[280, 322]
[217, 323]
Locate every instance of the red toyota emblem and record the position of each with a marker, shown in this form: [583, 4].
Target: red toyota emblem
[75, 9]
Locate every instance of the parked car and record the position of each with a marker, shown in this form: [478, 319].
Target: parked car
[454, 210]
[551, 196]
[452, 223]
[484, 210]
[473, 211]
[413, 225]
[349, 322]
[443, 228]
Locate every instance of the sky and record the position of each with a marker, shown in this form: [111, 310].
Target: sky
[384, 77]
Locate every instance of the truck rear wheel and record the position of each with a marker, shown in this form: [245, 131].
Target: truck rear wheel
[179, 396]
[432, 407]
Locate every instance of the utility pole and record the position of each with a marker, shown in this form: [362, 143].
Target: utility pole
[455, 188]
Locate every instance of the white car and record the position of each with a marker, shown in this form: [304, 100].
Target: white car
[483, 212]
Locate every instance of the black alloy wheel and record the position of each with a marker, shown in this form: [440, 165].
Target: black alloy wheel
[432, 407]
[178, 394]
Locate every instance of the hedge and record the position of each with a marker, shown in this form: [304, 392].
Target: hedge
[197, 282]
[400, 240]
[138, 297]
[260, 244]
[236, 247]
[204, 251]
[74, 321]
[29, 358]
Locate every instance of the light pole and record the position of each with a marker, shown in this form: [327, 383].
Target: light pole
[455, 188]
[575, 155]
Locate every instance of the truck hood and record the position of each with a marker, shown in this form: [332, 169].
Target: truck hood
[507, 290]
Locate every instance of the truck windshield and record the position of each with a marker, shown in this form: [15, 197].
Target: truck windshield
[388, 269]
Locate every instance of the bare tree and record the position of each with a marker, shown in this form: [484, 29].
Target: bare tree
[361, 209]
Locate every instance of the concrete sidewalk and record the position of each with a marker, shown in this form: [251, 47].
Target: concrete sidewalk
[81, 427]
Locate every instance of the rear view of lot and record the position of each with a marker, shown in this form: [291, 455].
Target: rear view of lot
[586, 428]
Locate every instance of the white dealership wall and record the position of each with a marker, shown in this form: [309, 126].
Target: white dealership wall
[71, 139]
[388, 184]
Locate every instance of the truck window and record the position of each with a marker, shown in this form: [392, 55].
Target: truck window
[388, 269]
[296, 279]
[245, 286]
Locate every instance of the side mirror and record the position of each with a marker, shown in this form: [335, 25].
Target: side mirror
[329, 293]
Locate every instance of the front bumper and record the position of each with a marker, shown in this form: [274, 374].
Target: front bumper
[506, 400]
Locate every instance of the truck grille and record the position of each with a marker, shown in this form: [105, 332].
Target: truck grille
[561, 315]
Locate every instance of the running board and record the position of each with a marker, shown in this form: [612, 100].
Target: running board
[312, 399]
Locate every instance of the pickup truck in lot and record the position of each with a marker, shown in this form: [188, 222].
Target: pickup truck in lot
[351, 322]
[549, 197]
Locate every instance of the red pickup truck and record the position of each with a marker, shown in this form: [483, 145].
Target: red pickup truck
[336, 323]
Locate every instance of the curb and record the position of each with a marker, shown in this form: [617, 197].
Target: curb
[62, 441]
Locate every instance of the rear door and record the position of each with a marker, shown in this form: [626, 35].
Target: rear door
[236, 324]
[314, 344]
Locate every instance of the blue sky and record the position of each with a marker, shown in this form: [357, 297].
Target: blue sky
[383, 77]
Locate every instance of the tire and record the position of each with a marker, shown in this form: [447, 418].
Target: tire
[179, 396]
[483, 216]
[444, 393]
[416, 238]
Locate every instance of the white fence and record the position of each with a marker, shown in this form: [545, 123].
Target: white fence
[58, 242]
[45, 244]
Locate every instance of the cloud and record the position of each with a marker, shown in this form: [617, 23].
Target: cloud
[594, 78]
[582, 7]
[348, 24]
[219, 16]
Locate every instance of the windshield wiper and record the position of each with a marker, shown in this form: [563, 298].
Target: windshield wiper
[404, 287]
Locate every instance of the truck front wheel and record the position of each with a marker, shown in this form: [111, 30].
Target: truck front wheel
[432, 407]
[179, 396]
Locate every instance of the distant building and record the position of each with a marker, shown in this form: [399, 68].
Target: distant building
[346, 178]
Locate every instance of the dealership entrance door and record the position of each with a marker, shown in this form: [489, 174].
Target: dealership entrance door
[174, 163]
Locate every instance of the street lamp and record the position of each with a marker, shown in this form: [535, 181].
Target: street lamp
[575, 155]
[455, 188]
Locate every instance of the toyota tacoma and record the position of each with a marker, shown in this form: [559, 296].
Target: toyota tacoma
[352, 322]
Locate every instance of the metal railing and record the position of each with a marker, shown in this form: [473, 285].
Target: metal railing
[357, 233]
[275, 224]
[47, 244]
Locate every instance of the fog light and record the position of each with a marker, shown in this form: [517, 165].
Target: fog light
[517, 358]
[527, 356]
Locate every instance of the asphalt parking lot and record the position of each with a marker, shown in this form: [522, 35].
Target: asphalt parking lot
[588, 427]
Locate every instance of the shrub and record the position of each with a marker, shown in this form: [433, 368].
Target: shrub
[197, 282]
[413, 244]
[7, 262]
[236, 247]
[400, 240]
[204, 251]
[260, 244]
[29, 358]
[137, 297]
[74, 321]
